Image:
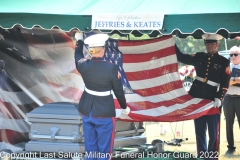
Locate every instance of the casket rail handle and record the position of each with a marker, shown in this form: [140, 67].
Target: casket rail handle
[75, 137]
[54, 131]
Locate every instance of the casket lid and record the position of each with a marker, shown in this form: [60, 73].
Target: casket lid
[57, 110]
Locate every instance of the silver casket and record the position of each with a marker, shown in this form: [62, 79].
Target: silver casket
[57, 127]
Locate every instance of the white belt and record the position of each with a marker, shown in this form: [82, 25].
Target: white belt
[207, 81]
[105, 93]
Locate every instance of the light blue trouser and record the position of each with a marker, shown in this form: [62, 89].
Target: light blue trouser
[210, 122]
[98, 137]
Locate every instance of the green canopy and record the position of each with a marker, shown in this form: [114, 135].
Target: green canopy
[181, 17]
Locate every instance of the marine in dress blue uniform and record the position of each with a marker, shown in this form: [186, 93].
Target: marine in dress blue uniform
[97, 104]
[212, 81]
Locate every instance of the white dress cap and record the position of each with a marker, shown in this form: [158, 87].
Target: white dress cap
[97, 40]
[210, 36]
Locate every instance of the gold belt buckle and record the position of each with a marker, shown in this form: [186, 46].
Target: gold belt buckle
[204, 80]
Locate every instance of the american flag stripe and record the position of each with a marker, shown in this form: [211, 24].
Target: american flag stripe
[13, 137]
[167, 103]
[46, 91]
[66, 80]
[145, 57]
[150, 64]
[61, 68]
[50, 93]
[155, 82]
[145, 46]
[14, 97]
[155, 98]
[49, 55]
[71, 93]
[169, 117]
[11, 111]
[18, 125]
[143, 103]
[155, 72]
[14, 126]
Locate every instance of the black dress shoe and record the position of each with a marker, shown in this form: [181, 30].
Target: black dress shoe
[230, 151]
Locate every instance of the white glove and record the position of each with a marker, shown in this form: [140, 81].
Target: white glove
[126, 111]
[217, 103]
[79, 36]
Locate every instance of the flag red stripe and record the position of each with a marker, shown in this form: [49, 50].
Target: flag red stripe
[136, 58]
[159, 89]
[151, 73]
[13, 137]
[12, 113]
[67, 91]
[41, 41]
[186, 110]
[135, 106]
[43, 64]
[148, 105]
[175, 118]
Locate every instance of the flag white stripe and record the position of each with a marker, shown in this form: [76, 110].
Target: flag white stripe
[202, 109]
[36, 53]
[49, 92]
[162, 110]
[153, 64]
[20, 98]
[15, 97]
[19, 125]
[146, 48]
[6, 112]
[67, 80]
[154, 82]
[156, 98]
[53, 51]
